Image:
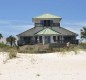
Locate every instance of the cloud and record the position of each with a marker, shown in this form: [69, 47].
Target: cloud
[74, 23]
[4, 22]
[13, 27]
[14, 30]
[14, 22]
[74, 26]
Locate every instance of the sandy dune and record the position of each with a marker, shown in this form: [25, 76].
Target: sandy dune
[51, 66]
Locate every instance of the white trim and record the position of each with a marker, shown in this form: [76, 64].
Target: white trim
[43, 39]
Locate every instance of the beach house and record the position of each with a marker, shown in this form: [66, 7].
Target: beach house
[47, 30]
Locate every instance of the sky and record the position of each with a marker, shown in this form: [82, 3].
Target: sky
[16, 15]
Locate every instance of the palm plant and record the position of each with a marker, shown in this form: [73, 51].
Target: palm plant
[83, 33]
[1, 36]
[11, 39]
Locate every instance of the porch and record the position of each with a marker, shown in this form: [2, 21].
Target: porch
[48, 36]
[48, 39]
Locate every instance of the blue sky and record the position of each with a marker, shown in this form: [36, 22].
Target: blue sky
[16, 15]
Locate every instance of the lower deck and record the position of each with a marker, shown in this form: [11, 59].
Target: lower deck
[48, 39]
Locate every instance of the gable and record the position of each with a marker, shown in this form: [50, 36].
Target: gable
[47, 31]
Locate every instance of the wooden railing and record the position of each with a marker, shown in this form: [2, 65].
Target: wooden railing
[65, 41]
[59, 42]
[62, 43]
[51, 25]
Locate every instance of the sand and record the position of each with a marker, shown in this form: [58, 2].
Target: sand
[50, 66]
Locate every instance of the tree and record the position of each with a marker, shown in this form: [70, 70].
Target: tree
[83, 33]
[11, 39]
[1, 36]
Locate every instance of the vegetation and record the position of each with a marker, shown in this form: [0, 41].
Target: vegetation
[38, 75]
[12, 53]
[46, 49]
[83, 33]
[11, 39]
[1, 36]
[12, 50]
[2, 45]
[82, 45]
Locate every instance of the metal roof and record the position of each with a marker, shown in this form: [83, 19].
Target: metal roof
[34, 30]
[47, 16]
[47, 31]
[30, 32]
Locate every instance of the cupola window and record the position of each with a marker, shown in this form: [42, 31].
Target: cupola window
[46, 22]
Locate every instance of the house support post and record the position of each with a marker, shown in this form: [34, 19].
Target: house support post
[62, 39]
[56, 39]
[38, 40]
[51, 39]
[43, 40]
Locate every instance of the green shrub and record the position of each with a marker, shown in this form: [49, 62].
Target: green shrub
[2, 45]
[45, 49]
[82, 45]
[12, 53]
[38, 75]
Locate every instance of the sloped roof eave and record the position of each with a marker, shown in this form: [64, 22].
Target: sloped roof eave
[34, 30]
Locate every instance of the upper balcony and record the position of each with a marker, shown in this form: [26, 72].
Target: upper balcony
[47, 25]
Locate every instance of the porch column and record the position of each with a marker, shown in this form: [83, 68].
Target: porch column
[62, 39]
[38, 39]
[57, 39]
[43, 40]
[51, 39]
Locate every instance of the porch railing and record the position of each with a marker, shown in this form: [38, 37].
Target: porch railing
[52, 24]
[60, 42]
[65, 41]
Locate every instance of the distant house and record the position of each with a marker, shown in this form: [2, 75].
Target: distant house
[47, 30]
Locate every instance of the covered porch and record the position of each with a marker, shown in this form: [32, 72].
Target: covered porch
[48, 39]
[48, 36]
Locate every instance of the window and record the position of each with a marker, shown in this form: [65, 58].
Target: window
[40, 39]
[58, 38]
[54, 38]
[46, 22]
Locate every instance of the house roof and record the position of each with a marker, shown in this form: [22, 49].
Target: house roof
[47, 31]
[30, 32]
[47, 16]
[34, 30]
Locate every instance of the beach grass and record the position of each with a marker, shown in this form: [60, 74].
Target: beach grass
[39, 49]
